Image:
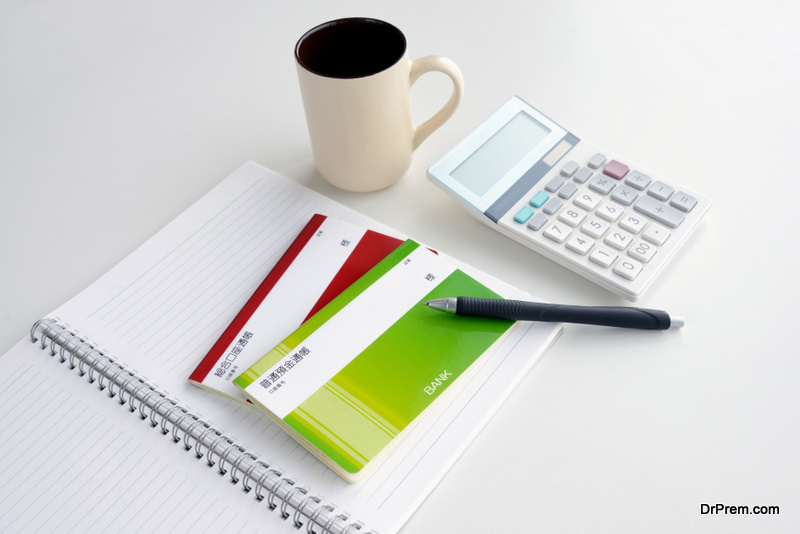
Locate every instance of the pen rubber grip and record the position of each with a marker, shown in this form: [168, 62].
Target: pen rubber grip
[515, 310]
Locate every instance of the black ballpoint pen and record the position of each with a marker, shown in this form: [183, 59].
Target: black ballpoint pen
[517, 310]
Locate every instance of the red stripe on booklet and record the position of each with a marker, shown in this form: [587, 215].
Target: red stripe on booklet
[230, 333]
[370, 250]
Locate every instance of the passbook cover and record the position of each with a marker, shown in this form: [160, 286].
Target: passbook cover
[357, 374]
[326, 257]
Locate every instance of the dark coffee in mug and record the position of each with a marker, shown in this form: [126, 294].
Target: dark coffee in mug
[350, 48]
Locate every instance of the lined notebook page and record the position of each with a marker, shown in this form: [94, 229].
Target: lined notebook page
[74, 460]
[162, 308]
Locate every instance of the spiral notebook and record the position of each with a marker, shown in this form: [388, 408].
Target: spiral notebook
[102, 432]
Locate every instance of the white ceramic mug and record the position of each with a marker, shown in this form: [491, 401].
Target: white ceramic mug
[355, 78]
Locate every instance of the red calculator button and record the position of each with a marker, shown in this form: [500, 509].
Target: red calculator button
[616, 170]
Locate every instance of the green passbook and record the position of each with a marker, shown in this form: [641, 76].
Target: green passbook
[362, 370]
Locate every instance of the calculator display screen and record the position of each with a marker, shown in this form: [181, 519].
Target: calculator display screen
[498, 155]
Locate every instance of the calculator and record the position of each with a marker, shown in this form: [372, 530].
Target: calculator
[591, 211]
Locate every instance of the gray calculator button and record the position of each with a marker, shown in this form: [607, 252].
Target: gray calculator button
[597, 161]
[624, 195]
[537, 221]
[660, 191]
[582, 175]
[553, 185]
[569, 169]
[602, 184]
[660, 212]
[552, 206]
[683, 202]
[568, 190]
[638, 180]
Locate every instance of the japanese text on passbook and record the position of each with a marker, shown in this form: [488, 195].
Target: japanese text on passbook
[227, 368]
[430, 277]
[274, 380]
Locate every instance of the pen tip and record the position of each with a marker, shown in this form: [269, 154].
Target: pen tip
[427, 303]
[677, 322]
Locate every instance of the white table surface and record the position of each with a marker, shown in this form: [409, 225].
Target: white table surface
[115, 116]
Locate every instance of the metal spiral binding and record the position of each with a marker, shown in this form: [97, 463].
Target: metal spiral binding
[130, 388]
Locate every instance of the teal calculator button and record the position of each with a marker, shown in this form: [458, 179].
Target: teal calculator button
[539, 199]
[523, 215]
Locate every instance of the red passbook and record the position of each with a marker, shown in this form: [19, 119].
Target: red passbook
[327, 256]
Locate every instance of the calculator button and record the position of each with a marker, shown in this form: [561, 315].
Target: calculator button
[642, 251]
[616, 170]
[537, 221]
[683, 202]
[594, 228]
[638, 180]
[579, 244]
[660, 191]
[603, 256]
[601, 184]
[628, 268]
[660, 212]
[624, 195]
[582, 175]
[523, 214]
[569, 169]
[568, 190]
[618, 239]
[552, 206]
[557, 232]
[632, 223]
[609, 212]
[597, 161]
[554, 184]
[572, 216]
[656, 234]
[539, 199]
[587, 200]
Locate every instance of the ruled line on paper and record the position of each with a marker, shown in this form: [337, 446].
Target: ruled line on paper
[203, 260]
[148, 286]
[156, 264]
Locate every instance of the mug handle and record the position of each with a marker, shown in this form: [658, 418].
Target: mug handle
[441, 64]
